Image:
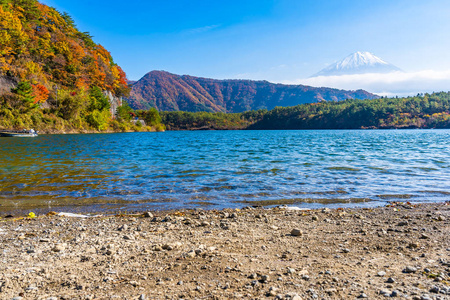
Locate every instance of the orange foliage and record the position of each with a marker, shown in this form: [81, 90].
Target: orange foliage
[40, 93]
[69, 58]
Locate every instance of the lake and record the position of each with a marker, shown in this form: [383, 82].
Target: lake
[217, 169]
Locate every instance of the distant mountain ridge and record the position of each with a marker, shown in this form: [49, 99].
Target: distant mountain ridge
[358, 63]
[171, 92]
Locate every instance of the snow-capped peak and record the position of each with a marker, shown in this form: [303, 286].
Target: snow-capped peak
[358, 59]
[358, 63]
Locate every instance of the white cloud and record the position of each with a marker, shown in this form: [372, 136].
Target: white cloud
[390, 84]
[203, 29]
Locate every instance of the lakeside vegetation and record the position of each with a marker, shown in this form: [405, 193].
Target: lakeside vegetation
[421, 111]
[55, 78]
[181, 120]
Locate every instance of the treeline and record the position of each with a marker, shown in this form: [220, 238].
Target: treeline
[421, 111]
[181, 120]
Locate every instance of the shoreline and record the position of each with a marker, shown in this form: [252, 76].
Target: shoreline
[233, 129]
[398, 251]
[108, 207]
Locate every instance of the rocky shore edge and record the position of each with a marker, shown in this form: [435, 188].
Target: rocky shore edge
[401, 250]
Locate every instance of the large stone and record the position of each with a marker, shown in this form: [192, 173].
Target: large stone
[296, 232]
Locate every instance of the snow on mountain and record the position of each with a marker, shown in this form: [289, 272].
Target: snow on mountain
[358, 63]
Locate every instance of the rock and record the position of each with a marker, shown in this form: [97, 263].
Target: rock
[345, 250]
[413, 245]
[17, 298]
[134, 283]
[403, 223]
[390, 280]
[381, 274]
[395, 294]
[168, 247]
[31, 288]
[191, 254]
[59, 247]
[362, 296]
[296, 232]
[157, 248]
[253, 276]
[291, 270]
[143, 297]
[435, 290]
[265, 278]
[315, 218]
[148, 215]
[410, 269]
[272, 291]
[292, 296]
[330, 291]
[424, 237]
[124, 227]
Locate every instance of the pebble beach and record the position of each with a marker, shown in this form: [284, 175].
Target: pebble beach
[401, 250]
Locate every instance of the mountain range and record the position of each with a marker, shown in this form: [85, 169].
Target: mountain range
[171, 92]
[358, 63]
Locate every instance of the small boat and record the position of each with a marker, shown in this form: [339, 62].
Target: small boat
[18, 133]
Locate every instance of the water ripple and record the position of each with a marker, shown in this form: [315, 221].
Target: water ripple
[226, 168]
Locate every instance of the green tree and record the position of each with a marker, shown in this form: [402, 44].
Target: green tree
[98, 100]
[152, 117]
[24, 91]
[124, 112]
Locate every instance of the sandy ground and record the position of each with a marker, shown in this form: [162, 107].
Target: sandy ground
[400, 251]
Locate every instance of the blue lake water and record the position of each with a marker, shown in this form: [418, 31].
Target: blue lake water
[217, 169]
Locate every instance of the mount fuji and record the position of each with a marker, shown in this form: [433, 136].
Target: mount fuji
[358, 63]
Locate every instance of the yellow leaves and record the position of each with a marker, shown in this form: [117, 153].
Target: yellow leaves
[62, 47]
[33, 68]
[9, 22]
[11, 37]
[116, 74]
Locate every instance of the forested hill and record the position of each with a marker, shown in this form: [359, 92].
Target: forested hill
[53, 77]
[44, 46]
[421, 111]
[170, 92]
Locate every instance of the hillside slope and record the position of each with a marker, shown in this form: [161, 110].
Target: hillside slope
[53, 77]
[170, 92]
[43, 46]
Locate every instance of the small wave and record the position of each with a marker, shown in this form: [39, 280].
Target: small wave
[344, 169]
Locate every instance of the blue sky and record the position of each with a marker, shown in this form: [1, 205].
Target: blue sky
[279, 41]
